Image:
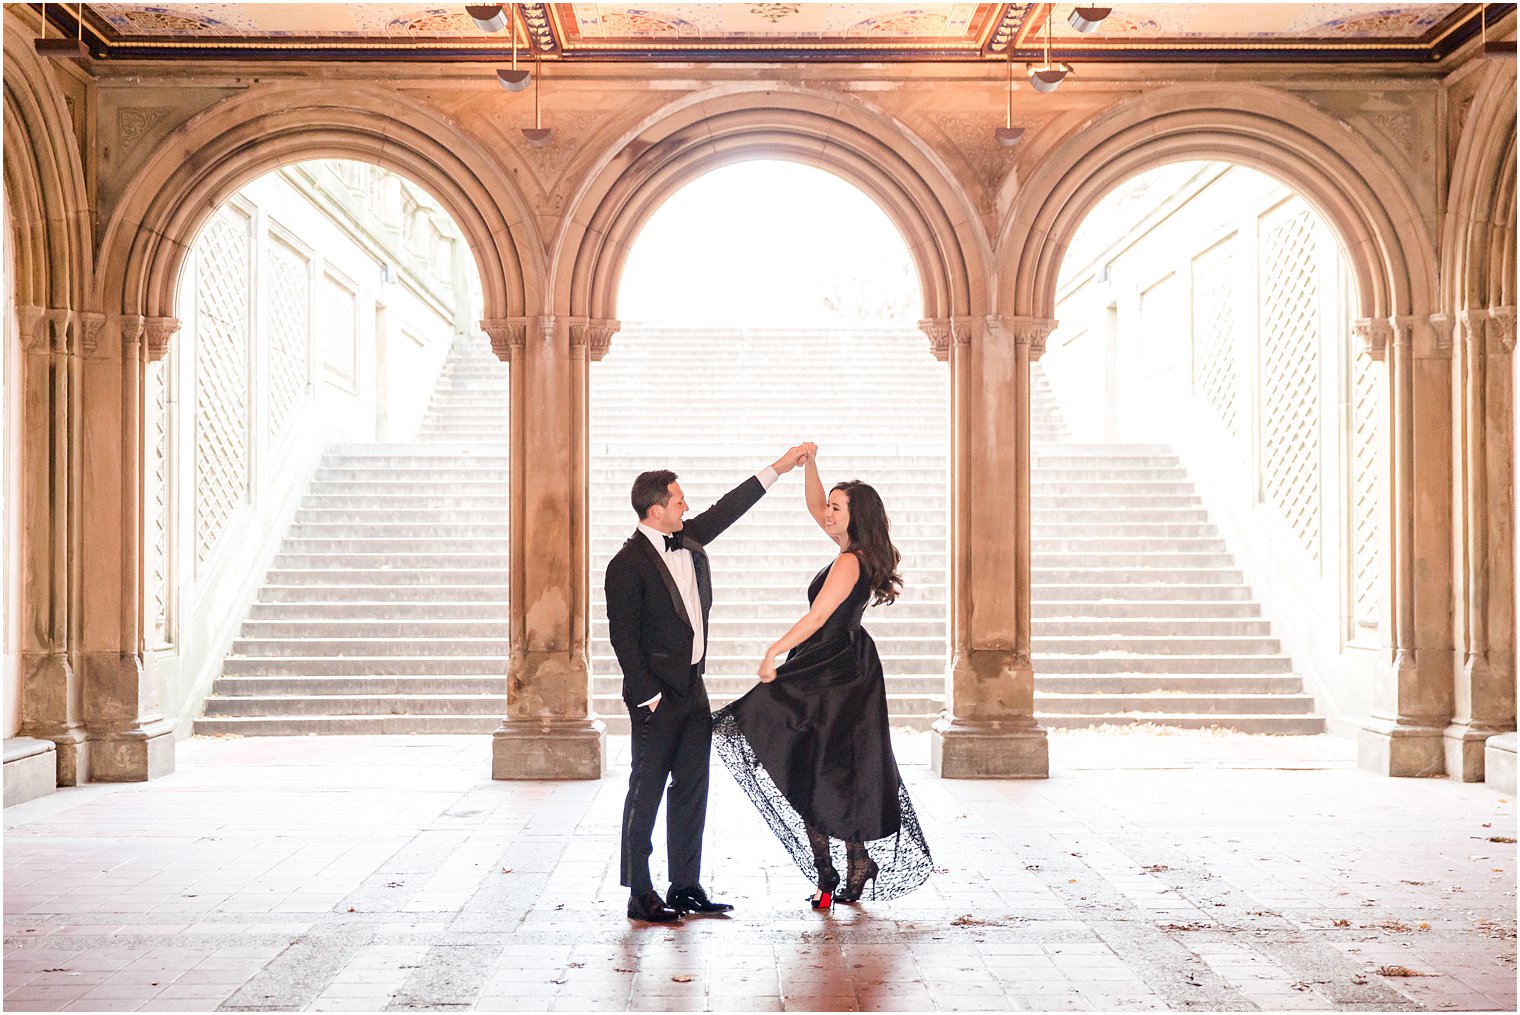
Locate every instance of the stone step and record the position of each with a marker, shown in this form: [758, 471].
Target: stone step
[1187, 683]
[295, 666]
[1104, 628]
[357, 594]
[350, 578]
[1191, 704]
[408, 612]
[421, 475]
[346, 725]
[405, 502]
[360, 704]
[389, 561]
[346, 648]
[1068, 592]
[1282, 725]
[1144, 645]
[490, 685]
[1212, 663]
[1104, 518]
[1096, 501]
[430, 530]
[1115, 560]
[1105, 544]
[494, 544]
[1133, 575]
[1047, 532]
[1150, 611]
[411, 629]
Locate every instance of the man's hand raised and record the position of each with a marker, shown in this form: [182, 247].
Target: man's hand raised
[794, 457]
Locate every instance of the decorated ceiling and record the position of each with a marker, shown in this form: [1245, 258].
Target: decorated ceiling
[778, 32]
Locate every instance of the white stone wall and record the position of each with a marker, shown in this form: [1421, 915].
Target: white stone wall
[1211, 312]
[306, 321]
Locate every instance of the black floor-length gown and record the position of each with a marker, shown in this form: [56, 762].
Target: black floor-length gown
[814, 747]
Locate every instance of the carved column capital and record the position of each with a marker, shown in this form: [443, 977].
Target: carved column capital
[158, 331]
[1501, 332]
[938, 331]
[90, 325]
[58, 338]
[1442, 329]
[132, 327]
[506, 334]
[594, 335]
[1375, 334]
[33, 333]
[1028, 331]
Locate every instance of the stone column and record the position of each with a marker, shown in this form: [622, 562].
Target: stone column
[1412, 696]
[1484, 695]
[131, 739]
[549, 732]
[988, 729]
[50, 694]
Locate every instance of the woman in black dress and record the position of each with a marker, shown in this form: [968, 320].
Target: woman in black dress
[810, 744]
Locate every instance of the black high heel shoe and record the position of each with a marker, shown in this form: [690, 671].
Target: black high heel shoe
[855, 884]
[828, 880]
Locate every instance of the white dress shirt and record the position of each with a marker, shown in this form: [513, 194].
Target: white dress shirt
[684, 572]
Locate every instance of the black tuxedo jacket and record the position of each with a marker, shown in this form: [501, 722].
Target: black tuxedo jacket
[646, 616]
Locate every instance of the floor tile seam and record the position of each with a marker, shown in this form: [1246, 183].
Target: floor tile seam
[1307, 958]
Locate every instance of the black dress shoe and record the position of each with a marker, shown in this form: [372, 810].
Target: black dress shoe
[694, 900]
[648, 906]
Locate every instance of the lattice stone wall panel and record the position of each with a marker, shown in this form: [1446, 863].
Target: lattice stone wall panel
[289, 332]
[1290, 373]
[157, 497]
[340, 328]
[1215, 375]
[1366, 488]
[221, 382]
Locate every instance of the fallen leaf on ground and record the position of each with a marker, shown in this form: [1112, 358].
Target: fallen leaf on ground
[1342, 923]
[680, 979]
[1398, 971]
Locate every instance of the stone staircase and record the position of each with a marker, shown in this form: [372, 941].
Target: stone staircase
[1139, 613]
[386, 608]
[874, 400]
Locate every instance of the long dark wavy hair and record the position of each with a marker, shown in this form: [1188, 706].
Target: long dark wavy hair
[870, 535]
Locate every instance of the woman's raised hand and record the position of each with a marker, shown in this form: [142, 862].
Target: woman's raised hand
[767, 671]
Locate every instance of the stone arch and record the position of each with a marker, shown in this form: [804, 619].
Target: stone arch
[211, 156]
[1272, 131]
[1477, 256]
[849, 139]
[44, 184]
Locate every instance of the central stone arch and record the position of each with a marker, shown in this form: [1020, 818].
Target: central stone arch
[1392, 254]
[845, 137]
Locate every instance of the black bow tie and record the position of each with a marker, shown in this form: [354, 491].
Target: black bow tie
[673, 543]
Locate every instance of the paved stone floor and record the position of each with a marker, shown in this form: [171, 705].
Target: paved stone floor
[361, 874]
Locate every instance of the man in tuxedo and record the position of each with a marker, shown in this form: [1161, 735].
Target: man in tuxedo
[659, 594]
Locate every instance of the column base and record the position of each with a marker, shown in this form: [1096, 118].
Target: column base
[1391, 748]
[535, 749]
[134, 755]
[988, 750]
[1465, 751]
[1499, 763]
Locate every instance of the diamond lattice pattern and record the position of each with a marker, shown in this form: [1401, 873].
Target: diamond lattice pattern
[1290, 337]
[157, 496]
[1366, 484]
[221, 398]
[289, 332]
[340, 320]
[1214, 371]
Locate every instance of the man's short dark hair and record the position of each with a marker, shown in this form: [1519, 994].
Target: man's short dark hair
[651, 488]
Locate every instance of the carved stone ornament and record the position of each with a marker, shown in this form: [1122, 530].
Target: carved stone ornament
[595, 336]
[132, 326]
[1031, 332]
[1502, 328]
[58, 337]
[1374, 333]
[938, 330]
[90, 324]
[506, 334]
[33, 334]
[158, 331]
[1443, 328]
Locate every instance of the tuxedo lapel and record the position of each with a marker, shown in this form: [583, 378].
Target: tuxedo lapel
[699, 565]
[652, 555]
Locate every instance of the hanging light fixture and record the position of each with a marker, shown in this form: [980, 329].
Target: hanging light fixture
[63, 48]
[487, 17]
[537, 136]
[1008, 135]
[1087, 19]
[1046, 78]
[513, 80]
